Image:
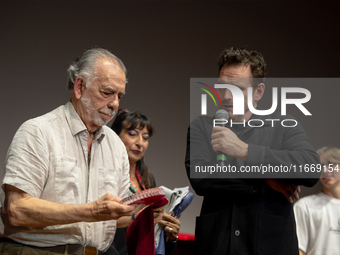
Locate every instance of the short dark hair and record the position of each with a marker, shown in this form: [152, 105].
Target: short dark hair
[241, 56]
[85, 65]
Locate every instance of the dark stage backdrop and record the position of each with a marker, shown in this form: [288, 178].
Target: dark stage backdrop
[164, 44]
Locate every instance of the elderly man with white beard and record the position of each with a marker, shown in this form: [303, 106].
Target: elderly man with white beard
[66, 171]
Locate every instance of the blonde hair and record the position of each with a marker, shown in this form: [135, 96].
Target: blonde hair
[332, 153]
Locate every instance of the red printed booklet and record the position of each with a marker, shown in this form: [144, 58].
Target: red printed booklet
[147, 197]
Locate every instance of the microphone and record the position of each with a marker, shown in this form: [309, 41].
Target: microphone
[223, 116]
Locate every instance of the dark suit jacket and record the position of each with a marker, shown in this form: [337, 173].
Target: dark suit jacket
[244, 215]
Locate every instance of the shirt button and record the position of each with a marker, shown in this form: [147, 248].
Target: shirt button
[237, 232]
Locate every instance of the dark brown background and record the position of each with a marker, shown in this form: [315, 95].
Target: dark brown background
[163, 44]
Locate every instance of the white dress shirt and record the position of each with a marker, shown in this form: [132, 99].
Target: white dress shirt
[48, 159]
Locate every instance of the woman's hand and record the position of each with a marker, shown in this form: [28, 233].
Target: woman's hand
[171, 226]
[158, 213]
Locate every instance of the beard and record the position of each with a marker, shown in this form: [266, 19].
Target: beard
[95, 113]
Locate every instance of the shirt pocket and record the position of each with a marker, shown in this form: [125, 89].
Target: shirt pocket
[67, 180]
[107, 182]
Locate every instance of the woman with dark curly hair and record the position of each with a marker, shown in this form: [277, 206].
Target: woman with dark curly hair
[135, 129]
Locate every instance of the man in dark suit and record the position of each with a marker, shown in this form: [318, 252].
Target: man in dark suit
[241, 214]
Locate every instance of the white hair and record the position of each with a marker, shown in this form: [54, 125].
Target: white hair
[85, 65]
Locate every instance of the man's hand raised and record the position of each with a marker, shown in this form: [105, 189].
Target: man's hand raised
[226, 141]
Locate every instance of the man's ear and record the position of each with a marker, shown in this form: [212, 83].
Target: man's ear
[259, 91]
[79, 87]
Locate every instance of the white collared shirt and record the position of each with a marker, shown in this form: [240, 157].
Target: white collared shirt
[48, 159]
